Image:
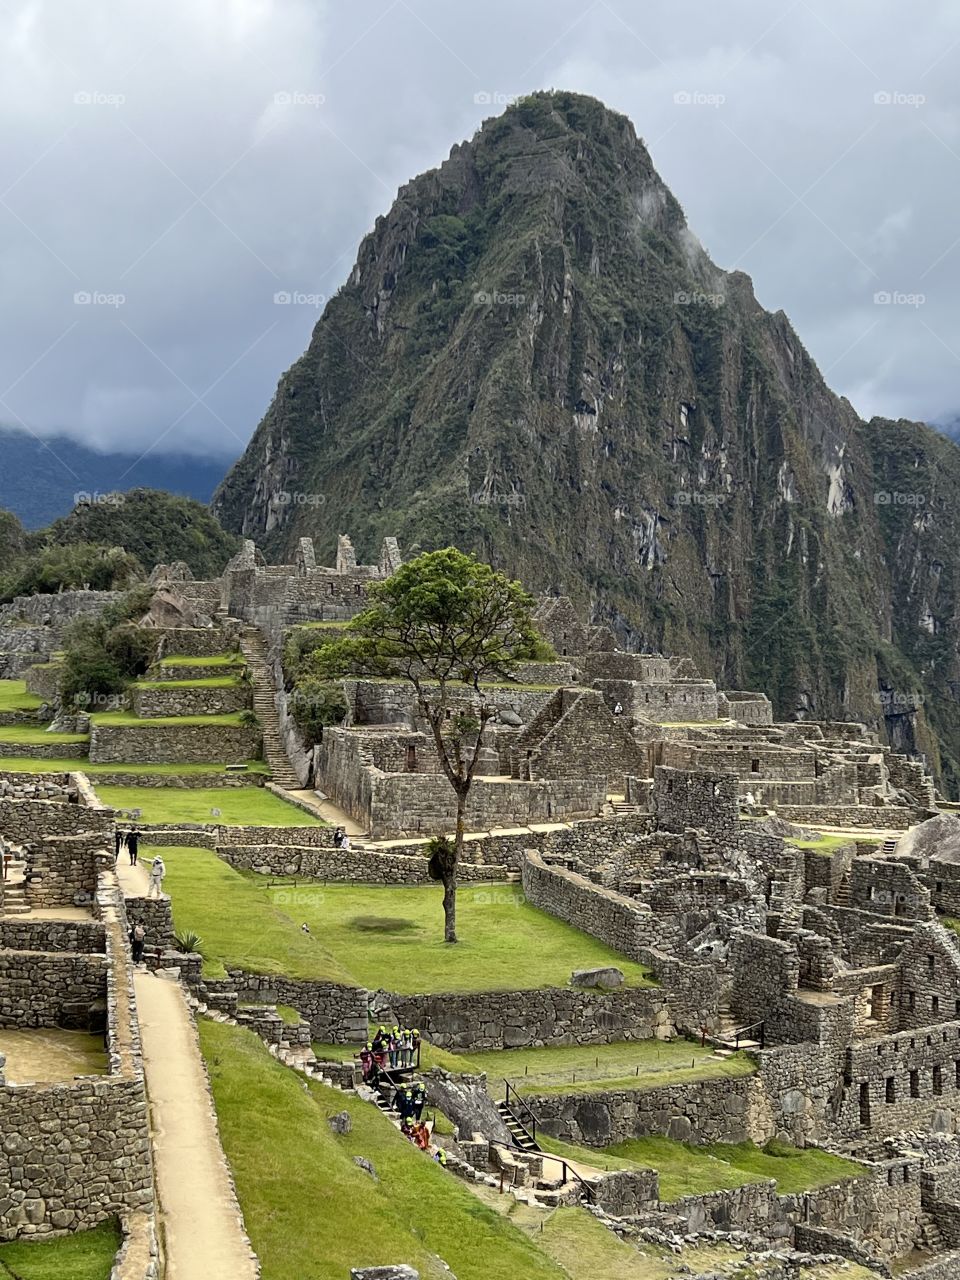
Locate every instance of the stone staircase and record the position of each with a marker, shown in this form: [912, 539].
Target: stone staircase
[841, 895]
[726, 1038]
[15, 889]
[518, 1132]
[265, 705]
[889, 846]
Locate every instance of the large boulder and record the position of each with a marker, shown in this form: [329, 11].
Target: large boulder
[938, 837]
[606, 976]
[465, 1102]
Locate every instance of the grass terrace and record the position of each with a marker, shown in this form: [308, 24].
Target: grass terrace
[637, 1064]
[129, 720]
[24, 764]
[688, 1171]
[298, 1183]
[239, 806]
[821, 843]
[240, 923]
[32, 735]
[220, 660]
[392, 937]
[204, 682]
[86, 1255]
[14, 696]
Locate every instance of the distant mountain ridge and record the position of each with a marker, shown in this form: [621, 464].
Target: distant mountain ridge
[40, 480]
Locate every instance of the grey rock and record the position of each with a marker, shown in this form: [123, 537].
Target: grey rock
[341, 1122]
[609, 976]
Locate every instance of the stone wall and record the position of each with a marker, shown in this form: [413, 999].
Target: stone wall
[910, 1080]
[173, 744]
[464, 1021]
[63, 870]
[356, 866]
[876, 817]
[156, 916]
[50, 990]
[695, 798]
[745, 707]
[52, 935]
[337, 1014]
[701, 1111]
[166, 699]
[29, 821]
[197, 642]
[43, 680]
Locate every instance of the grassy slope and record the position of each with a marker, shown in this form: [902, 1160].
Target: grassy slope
[201, 682]
[311, 1212]
[219, 660]
[88, 1255]
[239, 806]
[392, 937]
[14, 696]
[237, 921]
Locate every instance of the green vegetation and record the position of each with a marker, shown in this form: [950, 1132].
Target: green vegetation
[241, 924]
[636, 1064]
[52, 568]
[384, 936]
[298, 1183]
[821, 843]
[239, 806]
[129, 720]
[155, 528]
[14, 696]
[87, 1255]
[104, 653]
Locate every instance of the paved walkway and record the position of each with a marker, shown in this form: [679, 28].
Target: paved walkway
[327, 810]
[203, 1235]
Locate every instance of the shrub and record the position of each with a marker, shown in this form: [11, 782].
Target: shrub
[188, 942]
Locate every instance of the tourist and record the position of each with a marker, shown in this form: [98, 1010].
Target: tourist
[118, 839]
[421, 1136]
[7, 859]
[406, 1047]
[419, 1100]
[133, 846]
[379, 1048]
[338, 837]
[345, 842]
[157, 872]
[440, 1156]
[414, 1048]
[393, 1045]
[138, 937]
[618, 709]
[367, 1062]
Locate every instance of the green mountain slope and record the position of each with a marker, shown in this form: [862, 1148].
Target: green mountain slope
[535, 359]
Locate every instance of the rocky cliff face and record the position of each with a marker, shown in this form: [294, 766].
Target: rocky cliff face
[535, 359]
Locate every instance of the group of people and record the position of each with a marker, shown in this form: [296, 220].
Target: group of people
[131, 840]
[388, 1050]
[341, 839]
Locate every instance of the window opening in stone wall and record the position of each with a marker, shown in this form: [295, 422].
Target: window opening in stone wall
[937, 1082]
[865, 1105]
[914, 1084]
[891, 1089]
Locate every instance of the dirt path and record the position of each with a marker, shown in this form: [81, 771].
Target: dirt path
[203, 1234]
[134, 881]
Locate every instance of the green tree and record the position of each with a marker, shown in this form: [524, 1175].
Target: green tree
[441, 621]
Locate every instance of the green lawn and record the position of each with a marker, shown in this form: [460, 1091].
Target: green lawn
[686, 1170]
[239, 806]
[311, 1212]
[87, 1255]
[14, 696]
[25, 764]
[204, 682]
[392, 937]
[637, 1064]
[220, 660]
[239, 923]
[30, 734]
[128, 720]
[822, 843]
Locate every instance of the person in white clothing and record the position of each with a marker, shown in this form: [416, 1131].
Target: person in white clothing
[157, 872]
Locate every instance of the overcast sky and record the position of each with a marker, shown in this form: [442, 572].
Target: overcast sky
[178, 164]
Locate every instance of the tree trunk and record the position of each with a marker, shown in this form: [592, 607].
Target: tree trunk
[450, 880]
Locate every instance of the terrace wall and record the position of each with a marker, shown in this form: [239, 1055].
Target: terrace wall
[173, 744]
[167, 700]
[38, 989]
